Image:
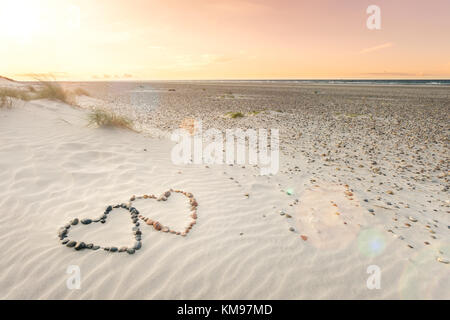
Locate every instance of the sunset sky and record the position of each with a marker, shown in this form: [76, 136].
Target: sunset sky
[229, 39]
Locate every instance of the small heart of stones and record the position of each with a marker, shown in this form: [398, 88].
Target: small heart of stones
[135, 216]
[157, 225]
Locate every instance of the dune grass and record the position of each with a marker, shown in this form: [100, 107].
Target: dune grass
[81, 92]
[51, 90]
[14, 93]
[104, 118]
[234, 115]
[5, 102]
[7, 94]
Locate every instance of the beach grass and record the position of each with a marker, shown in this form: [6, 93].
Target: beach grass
[5, 102]
[51, 90]
[104, 118]
[81, 92]
[234, 115]
[14, 93]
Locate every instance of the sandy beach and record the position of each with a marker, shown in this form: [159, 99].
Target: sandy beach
[363, 181]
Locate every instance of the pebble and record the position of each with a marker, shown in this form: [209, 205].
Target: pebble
[86, 221]
[80, 245]
[75, 221]
[442, 260]
[137, 245]
[291, 229]
[130, 251]
[71, 244]
[123, 249]
[157, 225]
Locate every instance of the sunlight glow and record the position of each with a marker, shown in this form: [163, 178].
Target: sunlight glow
[19, 19]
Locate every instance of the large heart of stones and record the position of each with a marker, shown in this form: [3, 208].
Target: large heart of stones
[135, 216]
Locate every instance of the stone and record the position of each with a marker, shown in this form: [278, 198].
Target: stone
[130, 251]
[90, 245]
[149, 222]
[167, 194]
[137, 245]
[123, 249]
[86, 221]
[65, 241]
[80, 245]
[75, 221]
[95, 247]
[157, 225]
[71, 244]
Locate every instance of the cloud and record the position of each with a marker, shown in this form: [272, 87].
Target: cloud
[376, 48]
[115, 76]
[43, 75]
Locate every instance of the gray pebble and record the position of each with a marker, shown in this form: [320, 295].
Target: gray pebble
[71, 244]
[79, 246]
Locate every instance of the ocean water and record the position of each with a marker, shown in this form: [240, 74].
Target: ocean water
[354, 81]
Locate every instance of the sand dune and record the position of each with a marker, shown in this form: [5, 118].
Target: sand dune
[54, 168]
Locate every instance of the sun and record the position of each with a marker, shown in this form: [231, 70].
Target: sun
[19, 19]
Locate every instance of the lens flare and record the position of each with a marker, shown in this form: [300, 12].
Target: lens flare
[371, 242]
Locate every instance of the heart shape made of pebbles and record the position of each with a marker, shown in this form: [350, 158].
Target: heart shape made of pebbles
[135, 216]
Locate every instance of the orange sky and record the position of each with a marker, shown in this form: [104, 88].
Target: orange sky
[228, 39]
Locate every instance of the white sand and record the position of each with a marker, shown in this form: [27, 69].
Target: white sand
[54, 168]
